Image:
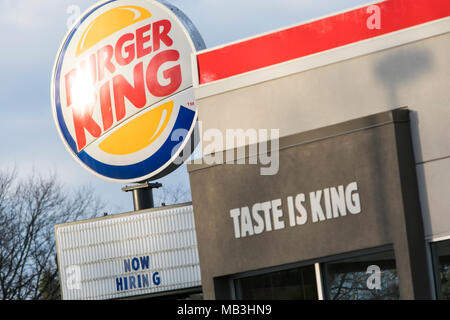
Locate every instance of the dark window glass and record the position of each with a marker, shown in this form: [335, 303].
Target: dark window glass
[441, 251]
[368, 277]
[293, 284]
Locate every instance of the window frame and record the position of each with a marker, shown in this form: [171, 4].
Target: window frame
[352, 255]
[436, 266]
[235, 292]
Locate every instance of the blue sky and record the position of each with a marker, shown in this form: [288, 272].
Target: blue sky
[31, 32]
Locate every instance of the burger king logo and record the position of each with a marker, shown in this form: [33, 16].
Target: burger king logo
[122, 85]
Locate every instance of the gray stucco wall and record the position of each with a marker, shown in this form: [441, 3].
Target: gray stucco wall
[416, 75]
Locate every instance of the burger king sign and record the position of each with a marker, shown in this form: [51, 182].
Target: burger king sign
[122, 85]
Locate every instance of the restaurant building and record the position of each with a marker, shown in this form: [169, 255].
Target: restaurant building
[357, 205]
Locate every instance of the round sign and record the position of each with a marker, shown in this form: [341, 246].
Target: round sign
[122, 88]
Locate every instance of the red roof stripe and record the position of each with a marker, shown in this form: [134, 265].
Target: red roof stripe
[315, 36]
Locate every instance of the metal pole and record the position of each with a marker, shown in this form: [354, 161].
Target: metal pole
[142, 194]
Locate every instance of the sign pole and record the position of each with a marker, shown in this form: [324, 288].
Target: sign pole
[142, 194]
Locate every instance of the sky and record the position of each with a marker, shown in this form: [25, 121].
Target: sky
[31, 32]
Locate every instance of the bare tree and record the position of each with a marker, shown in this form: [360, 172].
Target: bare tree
[29, 209]
[172, 194]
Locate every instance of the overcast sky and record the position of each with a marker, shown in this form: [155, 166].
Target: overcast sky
[31, 32]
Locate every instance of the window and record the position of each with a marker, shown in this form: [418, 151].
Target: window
[441, 254]
[366, 277]
[292, 284]
[369, 274]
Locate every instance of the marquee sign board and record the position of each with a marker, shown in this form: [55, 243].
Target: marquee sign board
[122, 88]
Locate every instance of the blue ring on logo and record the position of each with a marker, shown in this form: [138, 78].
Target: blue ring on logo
[184, 120]
[152, 163]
